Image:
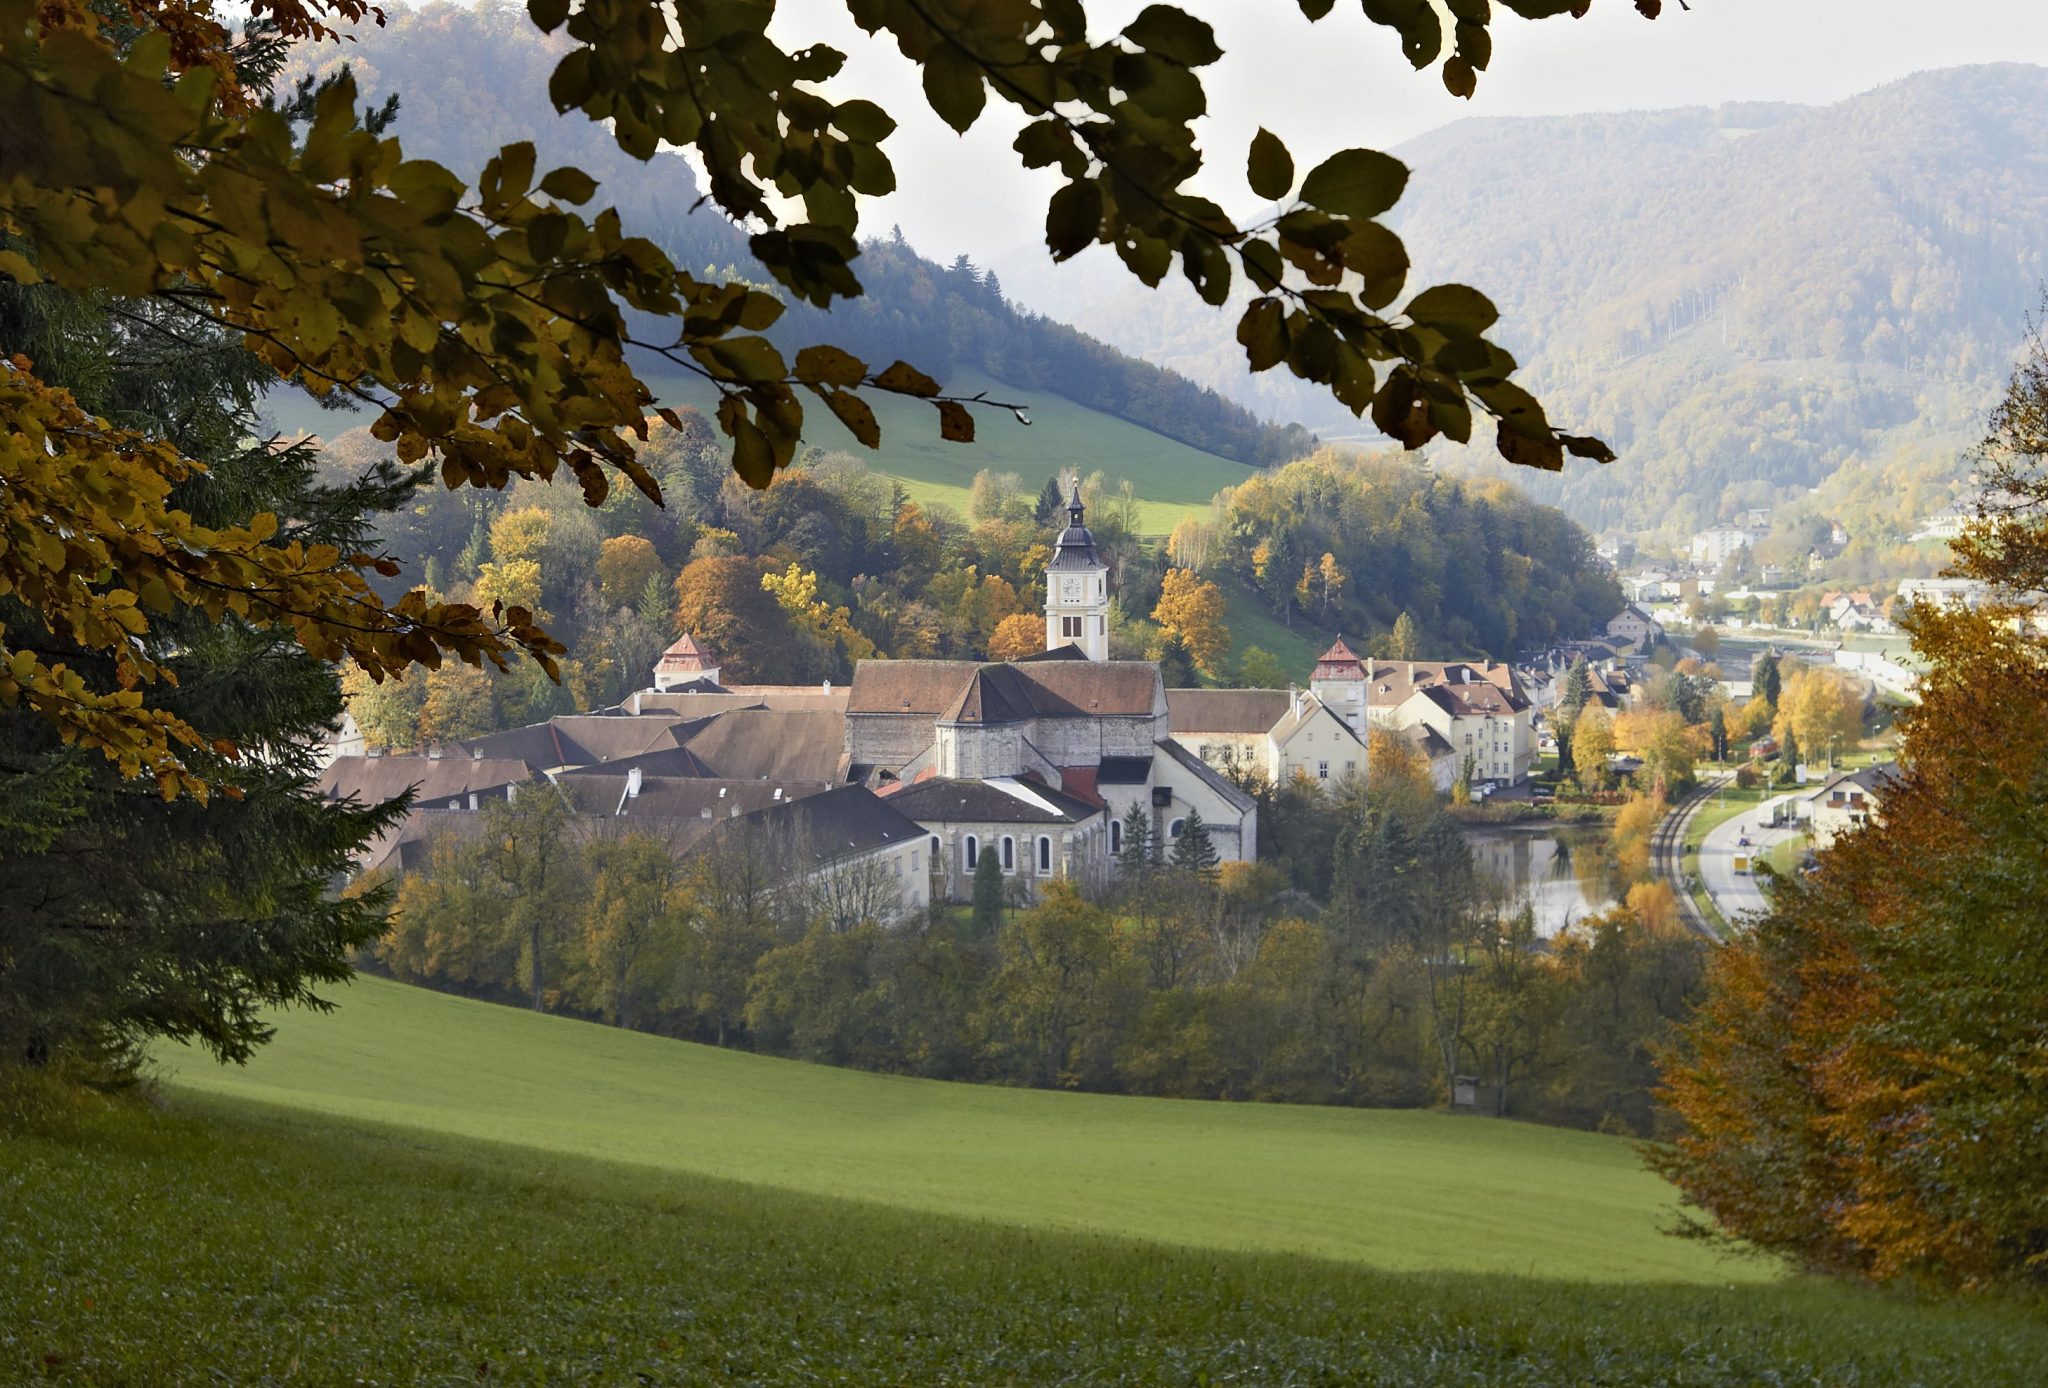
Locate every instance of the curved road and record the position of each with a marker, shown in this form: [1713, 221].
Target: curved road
[1735, 895]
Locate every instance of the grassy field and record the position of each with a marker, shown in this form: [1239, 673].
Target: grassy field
[1171, 478]
[866, 1231]
[230, 1242]
[1396, 1190]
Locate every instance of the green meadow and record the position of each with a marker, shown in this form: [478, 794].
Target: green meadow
[1391, 1189]
[419, 1189]
[1171, 478]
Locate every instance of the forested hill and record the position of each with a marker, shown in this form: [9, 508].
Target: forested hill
[1747, 301]
[470, 80]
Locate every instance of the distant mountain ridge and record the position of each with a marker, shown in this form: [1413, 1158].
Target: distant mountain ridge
[1749, 301]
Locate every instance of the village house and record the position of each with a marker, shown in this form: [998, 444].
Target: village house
[1634, 627]
[1847, 801]
[1279, 733]
[1479, 707]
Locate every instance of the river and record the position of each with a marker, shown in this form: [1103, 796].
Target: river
[1559, 869]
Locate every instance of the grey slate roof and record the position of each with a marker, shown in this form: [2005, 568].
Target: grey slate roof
[763, 744]
[837, 823]
[434, 780]
[940, 801]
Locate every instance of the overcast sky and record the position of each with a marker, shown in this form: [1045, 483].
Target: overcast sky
[1342, 82]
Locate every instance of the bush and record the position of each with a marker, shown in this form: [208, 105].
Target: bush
[1746, 778]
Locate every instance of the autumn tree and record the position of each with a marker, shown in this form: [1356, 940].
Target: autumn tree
[1017, 635]
[625, 565]
[1819, 710]
[1191, 610]
[1861, 1085]
[1592, 742]
[1404, 641]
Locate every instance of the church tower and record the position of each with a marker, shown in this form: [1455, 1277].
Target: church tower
[1077, 589]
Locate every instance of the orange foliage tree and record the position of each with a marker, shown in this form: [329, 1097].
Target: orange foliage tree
[1866, 1084]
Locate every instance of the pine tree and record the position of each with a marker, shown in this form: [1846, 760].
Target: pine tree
[1136, 855]
[988, 890]
[1788, 772]
[1192, 851]
[1717, 729]
[1578, 686]
[1050, 502]
[1176, 666]
[128, 917]
[1769, 680]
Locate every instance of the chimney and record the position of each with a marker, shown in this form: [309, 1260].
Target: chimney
[433, 751]
[828, 687]
[476, 754]
[704, 813]
[1411, 672]
[633, 783]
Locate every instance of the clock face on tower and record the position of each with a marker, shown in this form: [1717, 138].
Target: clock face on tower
[1070, 589]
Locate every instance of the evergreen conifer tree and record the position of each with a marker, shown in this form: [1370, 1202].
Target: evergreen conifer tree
[1788, 768]
[1176, 666]
[1047, 511]
[1136, 854]
[1193, 851]
[988, 890]
[1769, 679]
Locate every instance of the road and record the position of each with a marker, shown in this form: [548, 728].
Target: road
[1735, 895]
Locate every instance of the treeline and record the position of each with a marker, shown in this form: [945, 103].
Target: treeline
[1351, 542]
[1184, 980]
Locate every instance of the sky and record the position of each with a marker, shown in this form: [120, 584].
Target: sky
[1342, 82]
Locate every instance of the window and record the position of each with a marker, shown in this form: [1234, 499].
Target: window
[973, 852]
[1322, 771]
[913, 860]
[1173, 829]
[935, 848]
[1009, 854]
[1044, 854]
[1116, 836]
[896, 866]
[1070, 627]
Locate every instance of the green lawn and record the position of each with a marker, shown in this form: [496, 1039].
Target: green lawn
[228, 1242]
[1394, 1190]
[1171, 478]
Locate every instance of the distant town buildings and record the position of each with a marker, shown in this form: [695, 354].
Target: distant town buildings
[1713, 546]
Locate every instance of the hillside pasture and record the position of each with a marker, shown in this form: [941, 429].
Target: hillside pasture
[1395, 1190]
[214, 1237]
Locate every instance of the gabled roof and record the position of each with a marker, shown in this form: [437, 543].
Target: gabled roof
[582, 739]
[1242, 711]
[1238, 800]
[1873, 780]
[1003, 691]
[671, 805]
[1001, 800]
[1393, 682]
[434, 780]
[837, 823]
[760, 744]
[1304, 710]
